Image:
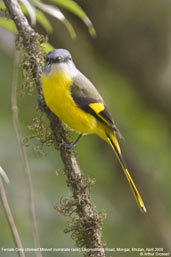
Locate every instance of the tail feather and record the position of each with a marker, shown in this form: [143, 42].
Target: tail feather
[112, 140]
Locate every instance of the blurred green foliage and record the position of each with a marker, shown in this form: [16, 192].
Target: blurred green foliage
[140, 115]
[36, 11]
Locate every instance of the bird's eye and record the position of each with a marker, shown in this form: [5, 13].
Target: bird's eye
[58, 59]
[70, 59]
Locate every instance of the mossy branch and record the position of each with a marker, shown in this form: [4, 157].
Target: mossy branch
[86, 226]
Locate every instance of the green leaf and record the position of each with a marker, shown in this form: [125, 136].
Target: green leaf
[70, 28]
[77, 10]
[55, 12]
[43, 21]
[40, 17]
[31, 10]
[47, 47]
[8, 24]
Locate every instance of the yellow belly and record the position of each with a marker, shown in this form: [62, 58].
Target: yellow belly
[56, 91]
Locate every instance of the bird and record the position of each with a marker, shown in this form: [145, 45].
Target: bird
[74, 99]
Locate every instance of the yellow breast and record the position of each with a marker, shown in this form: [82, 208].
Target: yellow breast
[56, 90]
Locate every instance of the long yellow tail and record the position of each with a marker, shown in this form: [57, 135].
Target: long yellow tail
[112, 140]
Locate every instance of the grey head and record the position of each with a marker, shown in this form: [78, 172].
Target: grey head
[61, 60]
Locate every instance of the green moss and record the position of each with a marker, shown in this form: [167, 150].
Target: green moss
[84, 221]
[29, 61]
[31, 64]
[41, 132]
[83, 229]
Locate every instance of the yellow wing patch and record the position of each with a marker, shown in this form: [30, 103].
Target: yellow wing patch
[97, 107]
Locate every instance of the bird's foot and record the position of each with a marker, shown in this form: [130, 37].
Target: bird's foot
[69, 145]
[72, 145]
